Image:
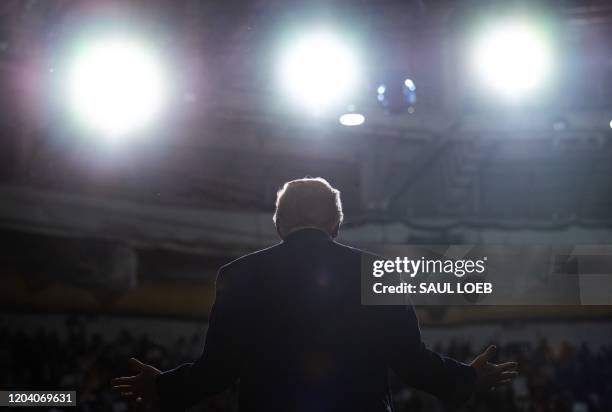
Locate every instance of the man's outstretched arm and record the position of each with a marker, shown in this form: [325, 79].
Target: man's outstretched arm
[441, 376]
[217, 368]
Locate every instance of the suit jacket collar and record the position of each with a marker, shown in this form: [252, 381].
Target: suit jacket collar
[306, 234]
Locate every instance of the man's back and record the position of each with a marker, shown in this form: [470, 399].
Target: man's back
[289, 325]
[309, 342]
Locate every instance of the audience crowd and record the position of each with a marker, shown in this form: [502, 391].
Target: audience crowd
[561, 379]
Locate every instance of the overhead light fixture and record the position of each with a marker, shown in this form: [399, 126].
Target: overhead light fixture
[115, 86]
[319, 70]
[352, 119]
[512, 58]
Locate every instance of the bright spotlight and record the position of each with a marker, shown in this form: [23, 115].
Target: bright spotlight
[115, 86]
[610, 124]
[512, 59]
[409, 84]
[352, 119]
[319, 71]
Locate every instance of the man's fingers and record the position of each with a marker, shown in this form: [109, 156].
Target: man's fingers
[488, 354]
[508, 366]
[484, 357]
[508, 375]
[137, 366]
[121, 387]
[123, 380]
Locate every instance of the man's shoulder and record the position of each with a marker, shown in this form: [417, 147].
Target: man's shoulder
[247, 261]
[250, 263]
[355, 252]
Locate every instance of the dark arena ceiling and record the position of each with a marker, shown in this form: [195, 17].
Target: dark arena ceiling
[228, 141]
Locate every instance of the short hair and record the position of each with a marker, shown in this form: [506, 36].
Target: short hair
[308, 202]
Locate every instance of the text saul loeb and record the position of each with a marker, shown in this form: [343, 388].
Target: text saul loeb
[413, 267]
[435, 287]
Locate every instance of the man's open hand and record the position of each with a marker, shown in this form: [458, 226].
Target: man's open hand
[490, 375]
[139, 387]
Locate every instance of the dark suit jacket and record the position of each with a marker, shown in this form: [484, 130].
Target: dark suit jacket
[288, 324]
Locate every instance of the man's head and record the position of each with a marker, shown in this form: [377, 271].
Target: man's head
[308, 202]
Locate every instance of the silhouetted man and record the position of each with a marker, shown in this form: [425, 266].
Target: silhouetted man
[288, 324]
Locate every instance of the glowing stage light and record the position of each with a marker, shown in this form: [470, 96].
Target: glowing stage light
[513, 59]
[610, 124]
[409, 84]
[115, 86]
[351, 119]
[319, 71]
